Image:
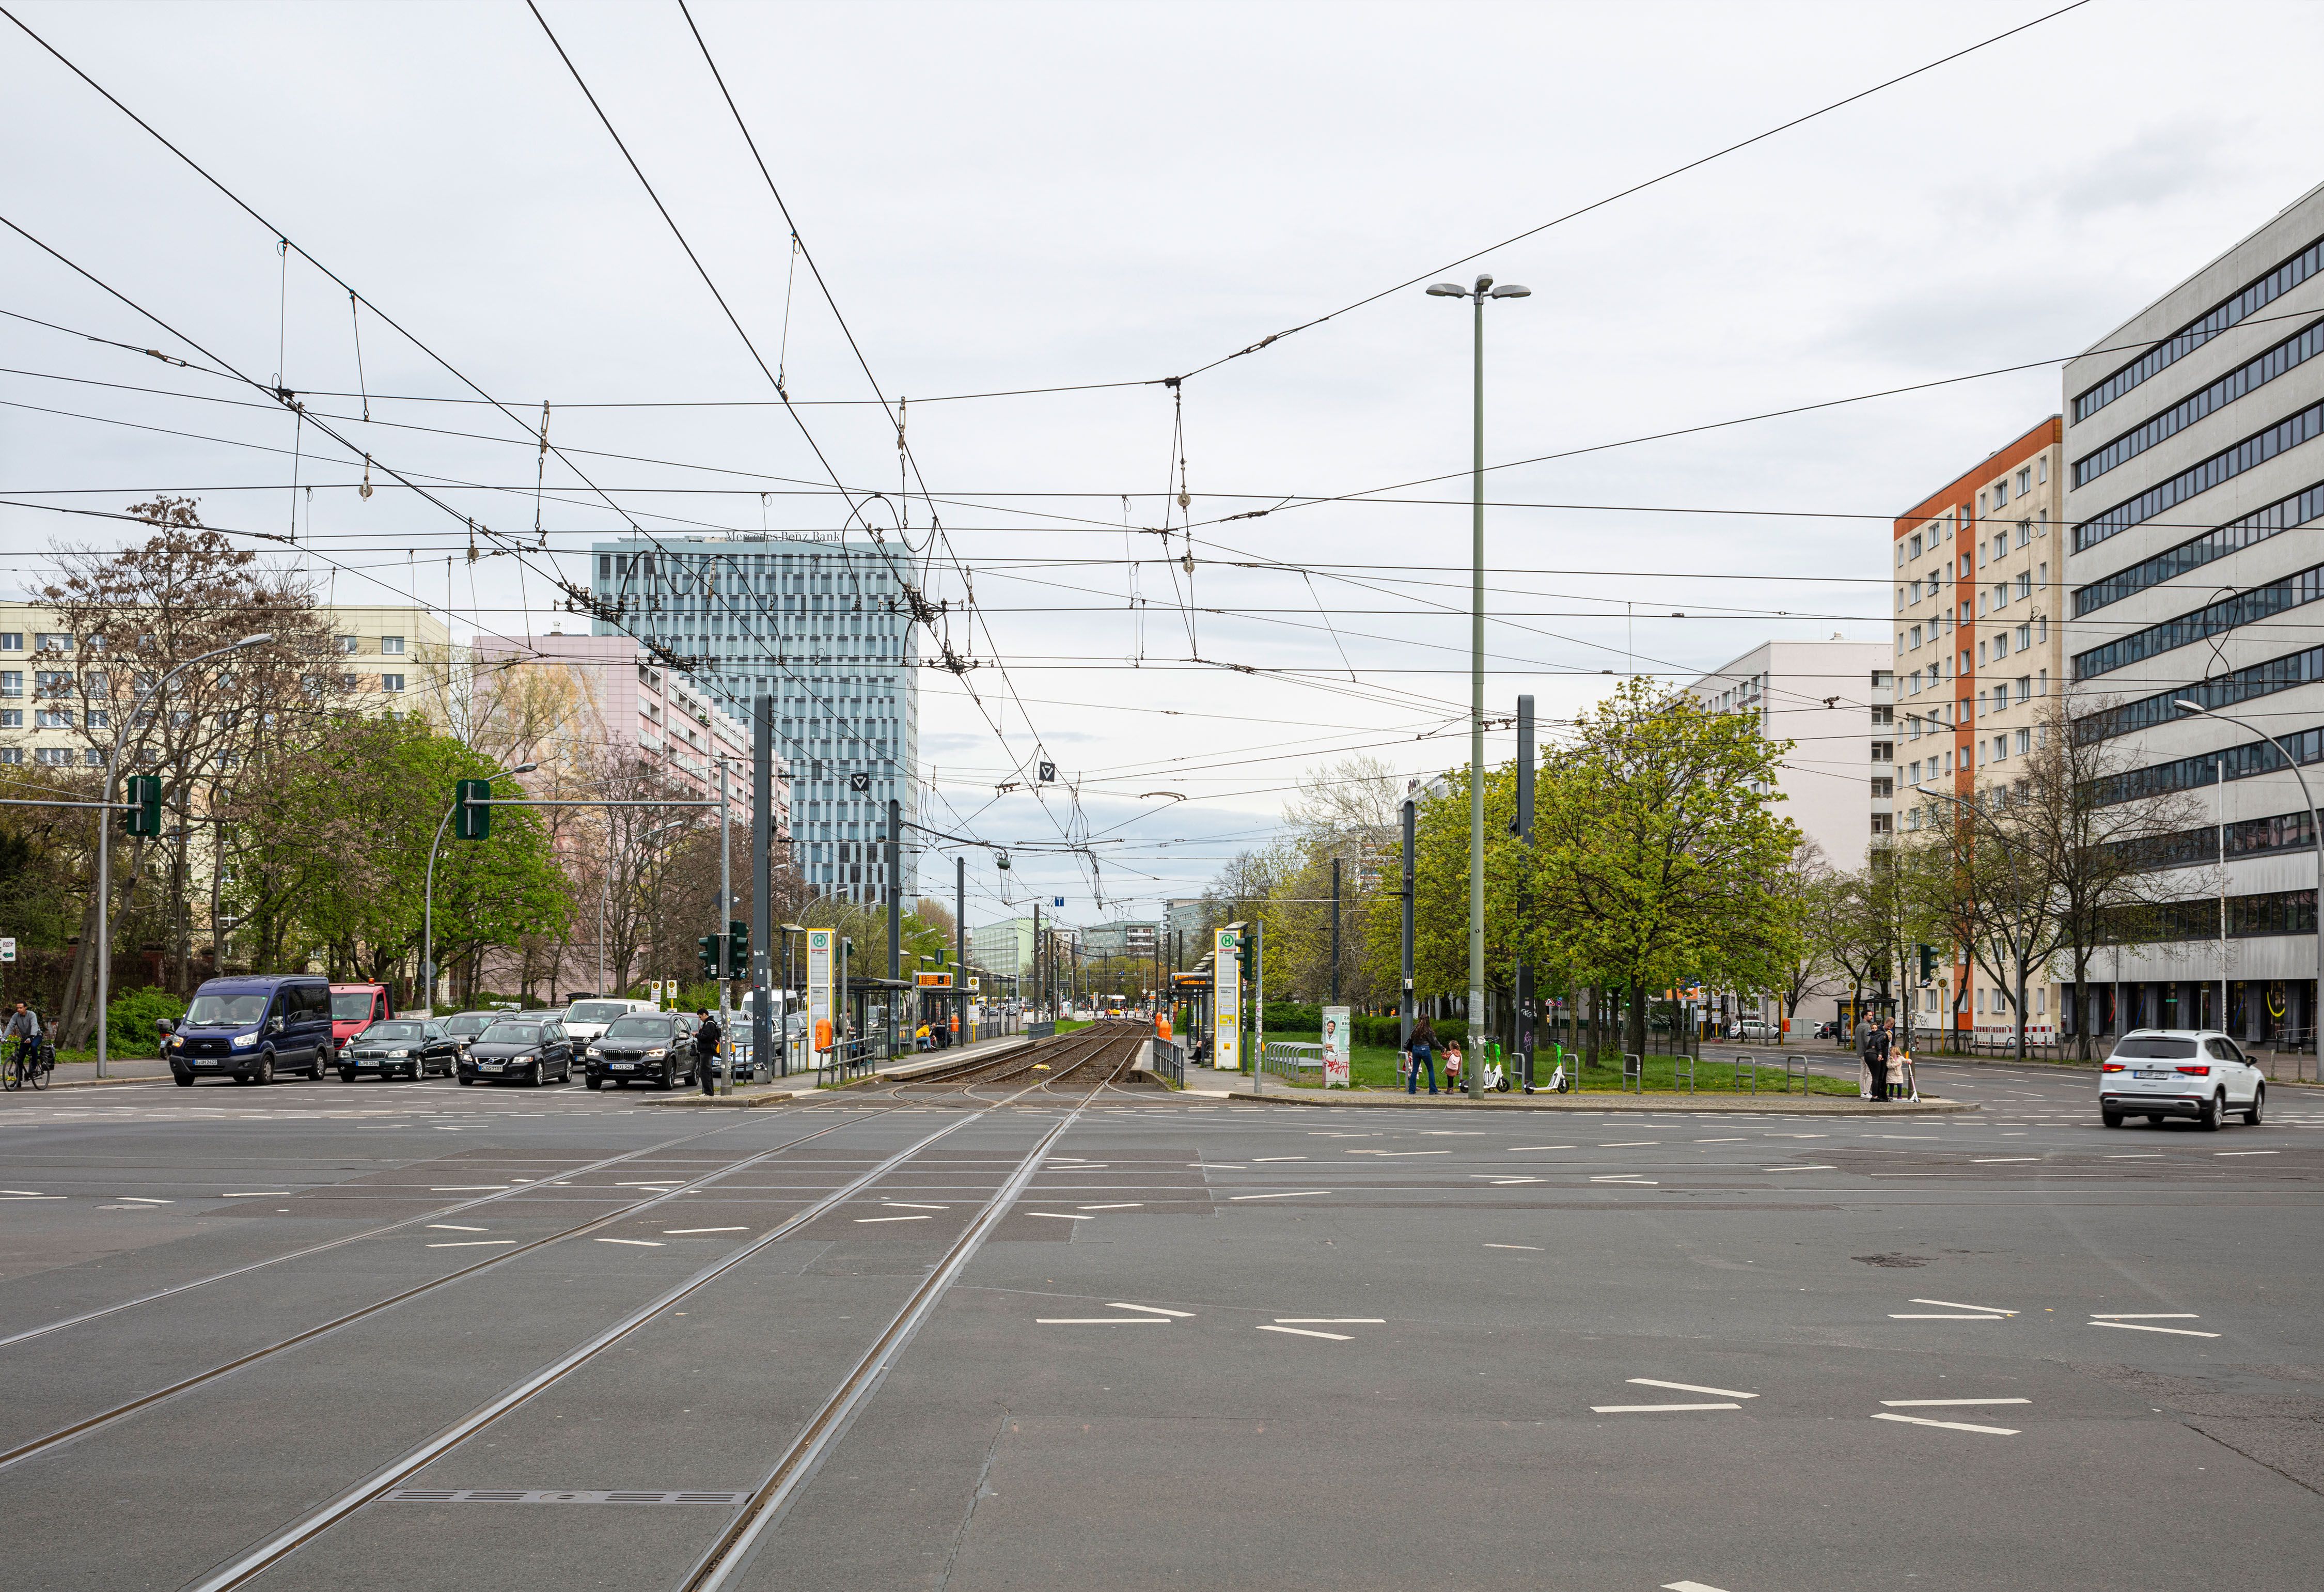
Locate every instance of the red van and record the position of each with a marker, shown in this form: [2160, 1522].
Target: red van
[354, 1008]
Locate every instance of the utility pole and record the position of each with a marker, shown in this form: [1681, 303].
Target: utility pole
[1404, 939]
[722, 918]
[895, 916]
[1523, 825]
[960, 943]
[1335, 931]
[762, 871]
[1038, 987]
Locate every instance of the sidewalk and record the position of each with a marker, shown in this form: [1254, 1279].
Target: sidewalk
[119, 1070]
[1237, 1087]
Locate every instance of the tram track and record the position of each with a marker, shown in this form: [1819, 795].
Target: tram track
[734, 1546]
[63, 1436]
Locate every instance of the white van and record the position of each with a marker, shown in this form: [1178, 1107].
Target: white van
[585, 1020]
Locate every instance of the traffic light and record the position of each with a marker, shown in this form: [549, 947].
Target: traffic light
[705, 948]
[738, 948]
[472, 823]
[1928, 963]
[144, 797]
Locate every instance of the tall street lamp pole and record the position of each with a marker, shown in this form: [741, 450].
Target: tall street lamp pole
[1474, 1072]
[2315, 834]
[104, 830]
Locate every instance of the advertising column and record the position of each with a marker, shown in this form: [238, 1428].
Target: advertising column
[1338, 1048]
[822, 953]
[1226, 1000]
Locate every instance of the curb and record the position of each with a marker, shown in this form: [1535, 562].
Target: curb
[1759, 1104]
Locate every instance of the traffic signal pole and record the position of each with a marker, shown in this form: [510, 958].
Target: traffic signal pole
[103, 882]
[895, 917]
[762, 870]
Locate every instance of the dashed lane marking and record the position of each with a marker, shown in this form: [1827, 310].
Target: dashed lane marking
[2144, 1316]
[1954, 1304]
[472, 1243]
[1532, 1247]
[638, 1243]
[1724, 1392]
[1949, 1425]
[2142, 1327]
[1130, 1205]
[1061, 1215]
[1100, 1321]
[1654, 1408]
[1115, 1304]
[1304, 1332]
[1330, 1320]
[453, 1227]
[908, 1218]
[689, 1232]
[1291, 1194]
[1946, 1403]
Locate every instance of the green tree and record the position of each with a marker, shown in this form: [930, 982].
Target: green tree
[1657, 848]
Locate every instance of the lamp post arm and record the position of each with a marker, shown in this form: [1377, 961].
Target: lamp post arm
[2315, 833]
[428, 912]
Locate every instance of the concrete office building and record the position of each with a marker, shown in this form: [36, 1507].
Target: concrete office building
[1004, 949]
[2196, 478]
[1979, 567]
[822, 627]
[1835, 700]
[1121, 938]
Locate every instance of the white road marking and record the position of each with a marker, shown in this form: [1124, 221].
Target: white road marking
[1653, 1409]
[640, 1242]
[1391, 1153]
[1542, 1146]
[1293, 1194]
[141, 1200]
[1532, 1247]
[469, 1188]
[909, 1218]
[1256, 1159]
[474, 1244]
[1998, 1159]
[1115, 1304]
[2245, 1152]
[1304, 1332]
[1130, 1205]
[1629, 1143]
[2144, 1316]
[1687, 1586]
[2174, 1331]
[2140, 1155]
[36, 1194]
[1954, 1304]
[1054, 1214]
[913, 1205]
[1630, 1177]
[688, 1232]
[656, 1183]
[1799, 1169]
[1949, 1425]
[1332, 1321]
[1943, 1403]
[247, 1194]
[1724, 1392]
[1506, 1182]
[1737, 1141]
[1099, 1321]
[1894, 1316]
[455, 1227]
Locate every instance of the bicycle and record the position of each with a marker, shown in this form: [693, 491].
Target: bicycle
[30, 1061]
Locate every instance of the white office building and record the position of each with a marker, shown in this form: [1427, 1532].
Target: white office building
[1836, 701]
[2195, 480]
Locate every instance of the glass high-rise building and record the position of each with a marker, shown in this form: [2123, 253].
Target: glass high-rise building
[822, 627]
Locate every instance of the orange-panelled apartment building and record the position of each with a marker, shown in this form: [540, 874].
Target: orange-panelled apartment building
[1980, 648]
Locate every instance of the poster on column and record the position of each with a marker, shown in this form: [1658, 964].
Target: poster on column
[1226, 1003]
[822, 950]
[1338, 1055]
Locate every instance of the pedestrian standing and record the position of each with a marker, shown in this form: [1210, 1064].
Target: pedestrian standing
[705, 1051]
[1877, 1055]
[1423, 1054]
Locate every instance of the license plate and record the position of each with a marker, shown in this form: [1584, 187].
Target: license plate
[493, 1065]
[624, 1066]
[204, 1063]
[2150, 1072]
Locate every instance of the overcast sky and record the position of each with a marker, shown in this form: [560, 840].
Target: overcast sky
[1004, 197]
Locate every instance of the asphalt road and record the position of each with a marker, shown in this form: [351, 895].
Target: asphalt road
[1152, 1341]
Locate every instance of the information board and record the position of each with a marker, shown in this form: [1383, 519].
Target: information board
[1226, 1004]
[1338, 1051]
[822, 965]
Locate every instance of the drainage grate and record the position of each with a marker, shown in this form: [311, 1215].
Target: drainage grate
[552, 1496]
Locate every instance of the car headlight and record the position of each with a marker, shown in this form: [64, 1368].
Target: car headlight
[526, 1060]
[176, 1043]
[595, 1053]
[243, 1041]
[397, 1053]
[656, 1055]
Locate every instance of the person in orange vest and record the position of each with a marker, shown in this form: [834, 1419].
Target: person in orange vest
[955, 1025]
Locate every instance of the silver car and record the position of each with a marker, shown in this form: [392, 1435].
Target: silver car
[2193, 1072]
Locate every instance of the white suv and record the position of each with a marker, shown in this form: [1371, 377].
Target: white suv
[2198, 1072]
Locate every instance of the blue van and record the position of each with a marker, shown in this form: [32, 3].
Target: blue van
[248, 1028]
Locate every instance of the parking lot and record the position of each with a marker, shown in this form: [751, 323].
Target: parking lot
[1014, 1338]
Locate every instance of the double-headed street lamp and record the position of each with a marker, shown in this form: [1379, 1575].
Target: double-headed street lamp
[1484, 288]
[2315, 833]
[104, 830]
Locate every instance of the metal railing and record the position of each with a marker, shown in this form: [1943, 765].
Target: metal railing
[1169, 1061]
[1041, 1030]
[1798, 1066]
[1682, 1072]
[1290, 1058]
[1634, 1074]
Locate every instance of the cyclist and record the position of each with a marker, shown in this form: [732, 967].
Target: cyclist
[23, 1029]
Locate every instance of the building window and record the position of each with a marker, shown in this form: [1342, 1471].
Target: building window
[2024, 741]
[2001, 492]
[2024, 482]
[348, 645]
[11, 641]
[2196, 333]
[50, 642]
[392, 646]
[391, 682]
[92, 756]
[1884, 787]
[53, 756]
[2042, 468]
[1884, 751]
[1884, 823]
[11, 682]
[53, 718]
[2223, 466]
[11, 754]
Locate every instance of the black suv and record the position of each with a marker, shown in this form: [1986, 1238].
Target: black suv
[655, 1047]
[519, 1047]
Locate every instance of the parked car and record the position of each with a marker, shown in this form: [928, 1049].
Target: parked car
[2198, 1072]
[526, 1048]
[1754, 1028]
[247, 1028]
[644, 1047]
[1828, 1029]
[355, 1007]
[405, 1047]
[462, 1027]
[585, 1020]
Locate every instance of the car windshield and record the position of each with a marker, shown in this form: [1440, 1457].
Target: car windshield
[595, 1010]
[350, 1005]
[2154, 1048]
[395, 1031]
[638, 1028]
[467, 1023]
[513, 1033]
[224, 1011]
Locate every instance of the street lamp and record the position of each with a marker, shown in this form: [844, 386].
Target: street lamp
[104, 832]
[1484, 288]
[2315, 833]
[428, 910]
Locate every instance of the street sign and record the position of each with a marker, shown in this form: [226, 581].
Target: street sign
[7, 950]
[822, 969]
[1226, 1011]
[1057, 901]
